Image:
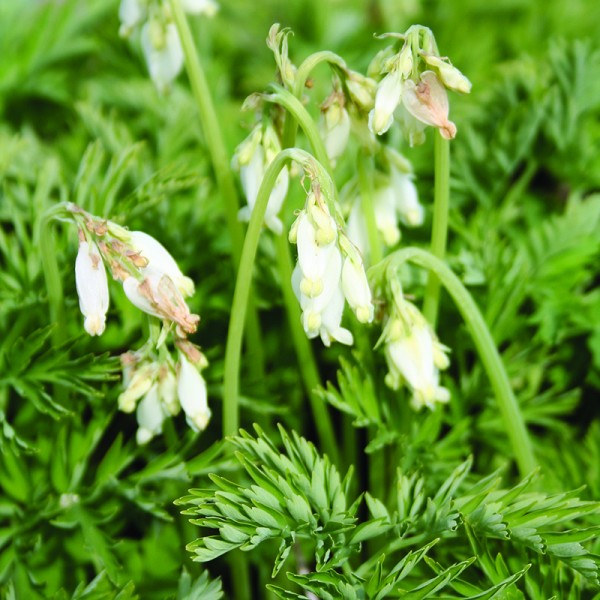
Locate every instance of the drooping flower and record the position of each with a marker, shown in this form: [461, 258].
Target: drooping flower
[92, 287]
[252, 158]
[131, 14]
[160, 259]
[150, 416]
[390, 90]
[356, 289]
[157, 295]
[317, 278]
[191, 390]
[415, 357]
[394, 199]
[163, 52]
[335, 126]
[137, 384]
[409, 209]
[427, 101]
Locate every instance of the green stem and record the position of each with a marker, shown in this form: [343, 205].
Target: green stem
[281, 96]
[365, 181]
[306, 360]
[242, 291]
[439, 231]
[52, 277]
[223, 175]
[492, 362]
[304, 70]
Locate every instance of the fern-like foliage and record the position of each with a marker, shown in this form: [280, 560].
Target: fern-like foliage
[298, 499]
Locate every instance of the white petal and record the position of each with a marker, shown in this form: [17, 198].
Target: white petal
[150, 416]
[335, 130]
[131, 13]
[357, 291]
[251, 175]
[331, 319]
[387, 98]
[427, 101]
[197, 7]
[132, 291]
[160, 259]
[407, 200]
[312, 256]
[164, 57]
[384, 206]
[92, 287]
[191, 389]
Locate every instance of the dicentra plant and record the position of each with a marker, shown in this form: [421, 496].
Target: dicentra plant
[401, 454]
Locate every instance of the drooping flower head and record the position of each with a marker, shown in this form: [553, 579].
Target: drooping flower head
[395, 200]
[158, 34]
[151, 278]
[329, 270]
[413, 353]
[412, 86]
[252, 158]
[92, 287]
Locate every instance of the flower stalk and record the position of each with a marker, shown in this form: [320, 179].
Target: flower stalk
[486, 348]
[439, 230]
[220, 160]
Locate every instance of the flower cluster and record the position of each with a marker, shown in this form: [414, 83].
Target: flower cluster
[413, 87]
[329, 271]
[252, 157]
[413, 353]
[395, 199]
[150, 276]
[157, 387]
[158, 36]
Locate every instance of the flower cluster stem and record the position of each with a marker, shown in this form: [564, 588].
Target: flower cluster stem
[223, 174]
[365, 181]
[306, 360]
[242, 291]
[52, 277]
[439, 230]
[490, 357]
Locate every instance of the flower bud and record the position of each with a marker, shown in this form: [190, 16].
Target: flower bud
[191, 389]
[92, 287]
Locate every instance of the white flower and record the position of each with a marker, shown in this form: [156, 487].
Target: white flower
[138, 384]
[322, 312]
[387, 99]
[427, 101]
[386, 220]
[315, 244]
[198, 7]
[131, 13]
[191, 389]
[409, 208]
[356, 290]
[167, 390]
[415, 356]
[252, 158]
[335, 130]
[92, 287]
[163, 52]
[150, 415]
[158, 296]
[161, 260]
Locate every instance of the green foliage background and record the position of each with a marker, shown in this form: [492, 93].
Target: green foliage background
[85, 513]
